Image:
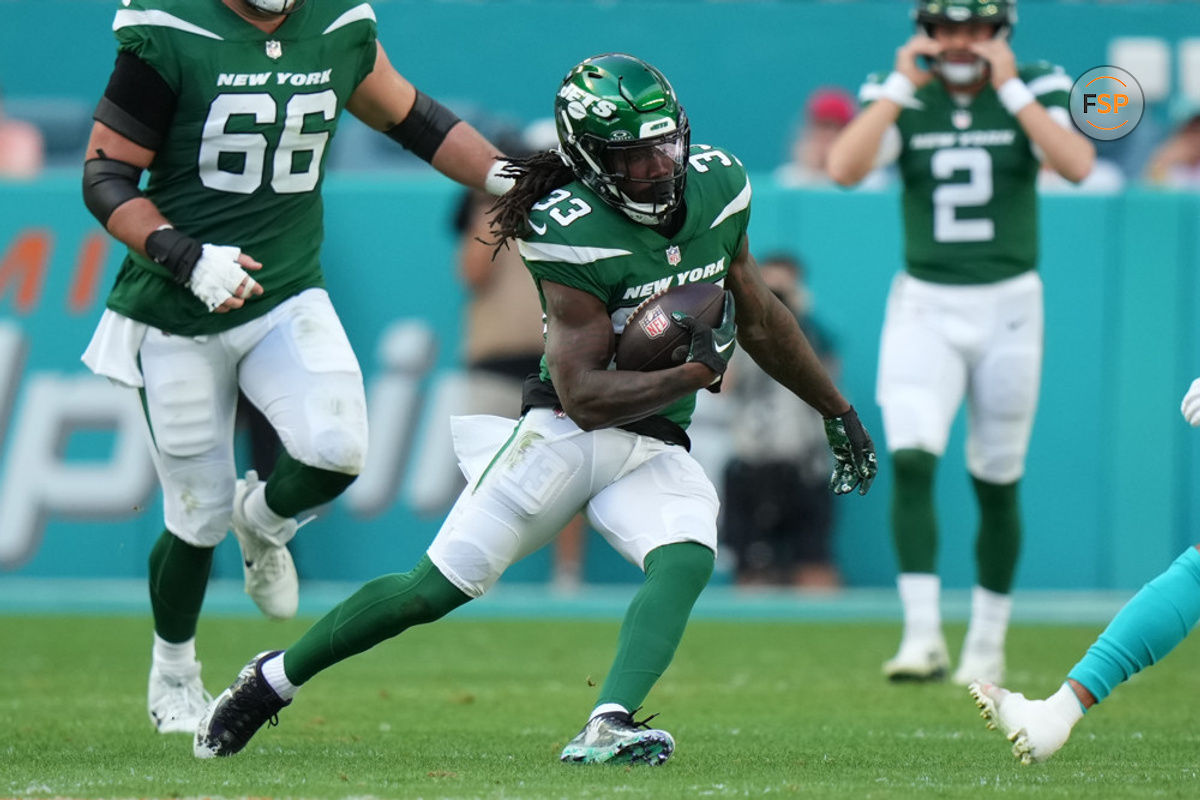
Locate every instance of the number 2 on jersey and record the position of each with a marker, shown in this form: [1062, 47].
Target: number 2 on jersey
[948, 198]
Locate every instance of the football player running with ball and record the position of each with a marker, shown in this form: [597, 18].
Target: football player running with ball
[230, 104]
[967, 127]
[624, 209]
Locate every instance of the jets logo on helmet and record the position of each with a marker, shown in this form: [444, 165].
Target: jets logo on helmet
[1001, 14]
[625, 135]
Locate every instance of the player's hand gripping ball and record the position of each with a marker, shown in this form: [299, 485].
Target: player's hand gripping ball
[652, 341]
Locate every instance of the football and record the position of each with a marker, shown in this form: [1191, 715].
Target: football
[652, 341]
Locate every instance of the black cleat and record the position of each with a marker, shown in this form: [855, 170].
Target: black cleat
[238, 712]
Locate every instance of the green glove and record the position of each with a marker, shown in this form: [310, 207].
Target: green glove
[712, 347]
[853, 453]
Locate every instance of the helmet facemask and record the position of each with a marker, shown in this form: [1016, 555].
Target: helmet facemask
[643, 178]
[271, 8]
[1000, 15]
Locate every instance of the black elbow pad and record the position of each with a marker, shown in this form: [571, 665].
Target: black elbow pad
[108, 184]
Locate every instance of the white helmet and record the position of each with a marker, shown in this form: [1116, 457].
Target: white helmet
[274, 6]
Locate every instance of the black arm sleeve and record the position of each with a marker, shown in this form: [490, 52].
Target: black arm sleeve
[107, 185]
[425, 127]
[137, 103]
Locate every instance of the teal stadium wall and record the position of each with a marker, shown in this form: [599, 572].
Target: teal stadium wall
[1108, 494]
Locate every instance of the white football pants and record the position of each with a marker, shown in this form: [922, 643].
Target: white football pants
[942, 341]
[294, 363]
[527, 479]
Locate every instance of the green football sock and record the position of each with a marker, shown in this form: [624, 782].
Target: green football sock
[381, 609]
[178, 577]
[295, 487]
[999, 542]
[654, 623]
[914, 526]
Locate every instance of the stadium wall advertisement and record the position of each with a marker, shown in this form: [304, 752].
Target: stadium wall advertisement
[1109, 491]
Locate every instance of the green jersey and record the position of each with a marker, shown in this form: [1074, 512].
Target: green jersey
[969, 174]
[581, 242]
[243, 161]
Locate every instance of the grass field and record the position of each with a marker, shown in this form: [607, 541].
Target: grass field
[480, 709]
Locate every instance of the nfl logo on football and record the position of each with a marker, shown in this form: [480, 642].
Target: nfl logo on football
[673, 257]
[655, 323]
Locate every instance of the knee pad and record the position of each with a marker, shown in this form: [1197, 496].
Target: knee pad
[339, 434]
[198, 502]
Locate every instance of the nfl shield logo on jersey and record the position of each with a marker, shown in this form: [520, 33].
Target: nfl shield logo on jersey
[655, 323]
[274, 49]
[961, 119]
[673, 257]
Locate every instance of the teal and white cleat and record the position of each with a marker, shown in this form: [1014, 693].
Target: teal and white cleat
[615, 738]
[1036, 730]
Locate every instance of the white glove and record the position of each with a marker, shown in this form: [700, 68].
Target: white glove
[1191, 404]
[217, 276]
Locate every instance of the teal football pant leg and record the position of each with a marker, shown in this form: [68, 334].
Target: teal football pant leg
[1156, 619]
[178, 578]
[381, 609]
[654, 622]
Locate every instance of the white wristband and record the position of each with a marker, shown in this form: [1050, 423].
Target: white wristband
[1015, 95]
[899, 89]
[495, 183]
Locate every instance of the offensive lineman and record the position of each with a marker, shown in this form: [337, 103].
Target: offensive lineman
[231, 104]
[968, 128]
[623, 209]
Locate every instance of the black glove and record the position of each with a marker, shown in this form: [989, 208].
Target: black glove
[853, 451]
[712, 347]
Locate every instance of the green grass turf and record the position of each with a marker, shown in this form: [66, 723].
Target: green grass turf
[481, 709]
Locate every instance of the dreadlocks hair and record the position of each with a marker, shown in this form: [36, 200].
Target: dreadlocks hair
[535, 176]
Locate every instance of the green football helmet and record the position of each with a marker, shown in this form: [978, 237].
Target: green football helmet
[625, 135]
[1002, 14]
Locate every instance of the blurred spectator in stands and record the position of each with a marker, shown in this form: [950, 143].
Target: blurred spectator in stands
[777, 512]
[503, 326]
[22, 150]
[825, 113]
[1176, 162]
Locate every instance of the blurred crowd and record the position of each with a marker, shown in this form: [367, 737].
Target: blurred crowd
[1163, 151]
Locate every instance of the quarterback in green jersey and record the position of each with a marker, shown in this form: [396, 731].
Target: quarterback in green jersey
[968, 129]
[622, 210]
[230, 105]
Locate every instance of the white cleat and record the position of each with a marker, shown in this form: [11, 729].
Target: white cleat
[271, 579]
[918, 660]
[1035, 729]
[176, 700]
[980, 666]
